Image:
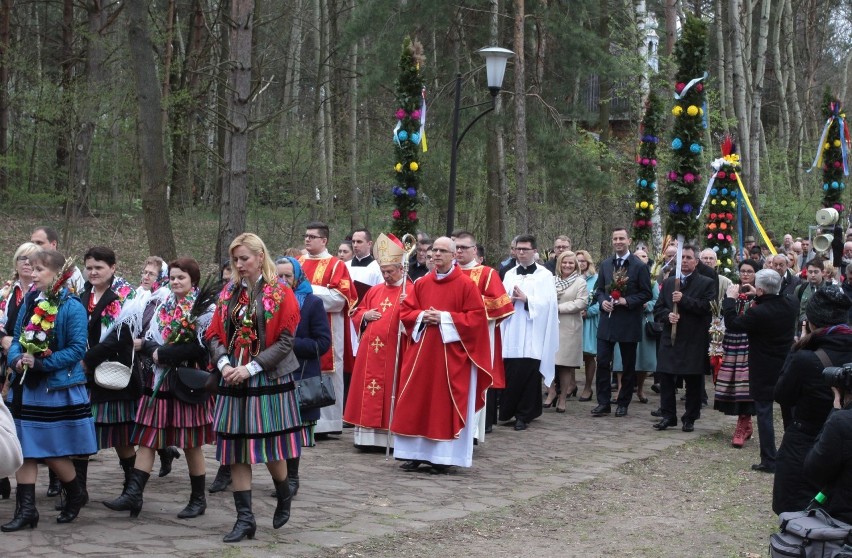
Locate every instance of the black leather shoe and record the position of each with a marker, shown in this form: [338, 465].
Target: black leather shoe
[688, 426]
[621, 411]
[520, 425]
[657, 413]
[762, 468]
[655, 388]
[601, 411]
[665, 423]
[411, 465]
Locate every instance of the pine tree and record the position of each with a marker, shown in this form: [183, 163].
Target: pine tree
[408, 138]
[682, 194]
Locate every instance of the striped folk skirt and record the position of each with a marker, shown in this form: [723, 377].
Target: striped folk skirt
[164, 420]
[732, 396]
[53, 423]
[114, 422]
[257, 421]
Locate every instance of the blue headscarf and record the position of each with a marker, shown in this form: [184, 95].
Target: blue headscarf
[303, 286]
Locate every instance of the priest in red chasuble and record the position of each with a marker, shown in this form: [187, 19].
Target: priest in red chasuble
[446, 370]
[331, 283]
[377, 322]
[498, 307]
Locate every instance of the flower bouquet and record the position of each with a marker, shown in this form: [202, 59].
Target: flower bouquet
[37, 335]
[618, 286]
[717, 334]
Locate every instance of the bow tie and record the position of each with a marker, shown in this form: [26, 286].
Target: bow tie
[526, 270]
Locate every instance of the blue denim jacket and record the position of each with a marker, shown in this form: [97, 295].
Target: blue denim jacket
[63, 367]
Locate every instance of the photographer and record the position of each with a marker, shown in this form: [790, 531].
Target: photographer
[801, 387]
[829, 463]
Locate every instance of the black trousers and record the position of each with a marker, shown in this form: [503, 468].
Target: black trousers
[668, 401]
[603, 376]
[492, 399]
[522, 397]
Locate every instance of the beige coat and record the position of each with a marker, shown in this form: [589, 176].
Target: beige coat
[11, 457]
[571, 302]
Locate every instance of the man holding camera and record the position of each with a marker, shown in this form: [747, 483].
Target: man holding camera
[769, 325]
[803, 389]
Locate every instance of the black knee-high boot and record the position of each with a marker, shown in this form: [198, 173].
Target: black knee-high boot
[167, 456]
[245, 525]
[197, 499]
[54, 486]
[127, 464]
[293, 475]
[131, 499]
[81, 467]
[222, 480]
[26, 514]
[73, 497]
[285, 499]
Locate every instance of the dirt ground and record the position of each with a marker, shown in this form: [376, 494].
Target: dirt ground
[699, 499]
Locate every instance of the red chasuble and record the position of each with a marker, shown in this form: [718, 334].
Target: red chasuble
[331, 273]
[435, 377]
[368, 404]
[498, 307]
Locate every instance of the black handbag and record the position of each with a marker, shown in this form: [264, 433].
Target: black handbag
[314, 392]
[653, 329]
[190, 385]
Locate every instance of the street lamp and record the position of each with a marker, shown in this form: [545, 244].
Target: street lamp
[495, 68]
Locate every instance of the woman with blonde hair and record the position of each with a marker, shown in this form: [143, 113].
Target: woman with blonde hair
[591, 316]
[571, 296]
[256, 418]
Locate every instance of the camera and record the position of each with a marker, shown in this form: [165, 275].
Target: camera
[839, 376]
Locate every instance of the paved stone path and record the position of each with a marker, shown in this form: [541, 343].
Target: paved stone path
[347, 496]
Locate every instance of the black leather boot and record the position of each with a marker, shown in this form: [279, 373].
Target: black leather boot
[131, 499]
[26, 514]
[127, 464]
[197, 500]
[54, 486]
[285, 499]
[222, 480]
[167, 455]
[73, 497]
[245, 525]
[5, 488]
[81, 466]
[293, 475]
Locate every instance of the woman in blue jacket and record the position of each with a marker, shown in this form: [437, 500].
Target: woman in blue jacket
[48, 398]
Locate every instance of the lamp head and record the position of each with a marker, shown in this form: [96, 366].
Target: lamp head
[495, 66]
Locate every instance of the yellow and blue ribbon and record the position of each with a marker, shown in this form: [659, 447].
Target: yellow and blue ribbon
[743, 197]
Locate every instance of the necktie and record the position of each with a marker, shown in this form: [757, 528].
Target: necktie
[620, 262]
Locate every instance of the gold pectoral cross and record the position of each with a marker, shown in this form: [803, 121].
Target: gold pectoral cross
[385, 304]
[377, 344]
[373, 387]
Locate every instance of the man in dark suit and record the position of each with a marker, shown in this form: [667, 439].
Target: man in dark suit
[789, 282]
[770, 325]
[687, 356]
[620, 320]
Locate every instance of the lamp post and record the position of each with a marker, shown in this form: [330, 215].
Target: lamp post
[495, 68]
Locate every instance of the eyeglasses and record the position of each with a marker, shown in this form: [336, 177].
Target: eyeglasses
[523, 250]
[312, 237]
[23, 259]
[746, 272]
[460, 247]
[149, 274]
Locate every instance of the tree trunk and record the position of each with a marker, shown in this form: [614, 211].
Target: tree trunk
[522, 201]
[671, 26]
[759, 71]
[724, 99]
[66, 62]
[155, 206]
[496, 217]
[739, 83]
[355, 220]
[232, 214]
[5, 14]
[319, 110]
[792, 97]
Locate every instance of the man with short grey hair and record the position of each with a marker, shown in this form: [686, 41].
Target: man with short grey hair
[769, 323]
[781, 264]
[708, 257]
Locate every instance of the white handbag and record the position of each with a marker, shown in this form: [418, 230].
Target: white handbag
[114, 375]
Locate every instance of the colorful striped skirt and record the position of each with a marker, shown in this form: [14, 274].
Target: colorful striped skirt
[732, 395]
[308, 440]
[164, 420]
[114, 422]
[257, 421]
[53, 423]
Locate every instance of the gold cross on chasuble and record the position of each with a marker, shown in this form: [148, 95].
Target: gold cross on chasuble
[385, 304]
[377, 344]
[373, 387]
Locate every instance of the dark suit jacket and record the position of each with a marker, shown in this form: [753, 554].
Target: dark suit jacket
[710, 273]
[625, 323]
[689, 353]
[770, 325]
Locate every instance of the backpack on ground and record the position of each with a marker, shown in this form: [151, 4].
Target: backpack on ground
[811, 534]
